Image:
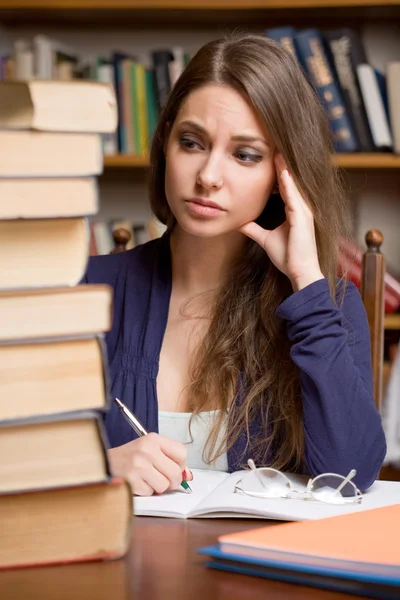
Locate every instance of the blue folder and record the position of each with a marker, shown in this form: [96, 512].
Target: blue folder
[354, 582]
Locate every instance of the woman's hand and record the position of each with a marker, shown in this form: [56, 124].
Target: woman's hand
[151, 464]
[291, 246]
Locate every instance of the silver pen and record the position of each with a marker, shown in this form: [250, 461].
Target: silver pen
[140, 430]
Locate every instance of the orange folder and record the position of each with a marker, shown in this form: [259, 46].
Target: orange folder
[365, 541]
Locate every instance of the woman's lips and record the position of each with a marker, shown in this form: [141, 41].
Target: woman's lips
[204, 208]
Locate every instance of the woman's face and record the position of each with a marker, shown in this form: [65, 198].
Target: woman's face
[219, 163]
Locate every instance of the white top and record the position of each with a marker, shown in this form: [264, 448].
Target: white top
[175, 425]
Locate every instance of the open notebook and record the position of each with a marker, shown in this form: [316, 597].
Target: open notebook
[213, 496]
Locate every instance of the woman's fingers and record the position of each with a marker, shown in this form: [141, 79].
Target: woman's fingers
[255, 232]
[288, 189]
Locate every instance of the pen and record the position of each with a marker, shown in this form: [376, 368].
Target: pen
[140, 430]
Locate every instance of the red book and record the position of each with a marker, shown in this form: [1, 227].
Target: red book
[350, 267]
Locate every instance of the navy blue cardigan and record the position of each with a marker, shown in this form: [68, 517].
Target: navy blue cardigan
[330, 346]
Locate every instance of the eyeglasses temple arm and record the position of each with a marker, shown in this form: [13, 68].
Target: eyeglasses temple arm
[253, 467]
[349, 477]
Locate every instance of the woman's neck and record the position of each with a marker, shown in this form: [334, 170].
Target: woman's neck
[202, 264]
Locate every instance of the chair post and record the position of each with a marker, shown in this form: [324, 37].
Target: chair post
[372, 291]
[121, 237]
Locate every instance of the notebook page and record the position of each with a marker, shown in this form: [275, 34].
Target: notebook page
[178, 503]
[223, 502]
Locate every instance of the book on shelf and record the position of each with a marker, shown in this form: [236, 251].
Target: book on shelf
[50, 376]
[311, 52]
[43, 252]
[341, 43]
[393, 89]
[320, 553]
[352, 92]
[350, 266]
[334, 59]
[75, 524]
[55, 450]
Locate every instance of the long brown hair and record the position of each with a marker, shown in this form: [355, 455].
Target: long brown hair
[246, 342]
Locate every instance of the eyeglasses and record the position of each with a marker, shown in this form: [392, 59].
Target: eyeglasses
[266, 482]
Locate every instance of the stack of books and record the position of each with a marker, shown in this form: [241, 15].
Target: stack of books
[58, 499]
[356, 553]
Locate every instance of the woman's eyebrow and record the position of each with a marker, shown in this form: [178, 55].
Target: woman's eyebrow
[235, 138]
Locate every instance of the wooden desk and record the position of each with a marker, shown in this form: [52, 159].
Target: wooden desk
[161, 565]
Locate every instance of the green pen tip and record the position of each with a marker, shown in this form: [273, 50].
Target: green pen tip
[186, 486]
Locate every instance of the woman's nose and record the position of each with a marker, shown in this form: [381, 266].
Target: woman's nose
[210, 176]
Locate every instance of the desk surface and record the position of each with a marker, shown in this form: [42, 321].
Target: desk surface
[162, 564]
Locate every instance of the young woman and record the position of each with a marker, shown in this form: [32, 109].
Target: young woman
[232, 338]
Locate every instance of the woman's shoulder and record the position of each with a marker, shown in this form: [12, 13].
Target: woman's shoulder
[109, 267]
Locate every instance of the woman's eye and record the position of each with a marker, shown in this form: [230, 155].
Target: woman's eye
[244, 156]
[189, 143]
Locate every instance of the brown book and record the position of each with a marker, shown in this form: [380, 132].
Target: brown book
[78, 106]
[36, 314]
[43, 252]
[48, 198]
[77, 524]
[37, 154]
[97, 580]
[393, 91]
[52, 451]
[53, 376]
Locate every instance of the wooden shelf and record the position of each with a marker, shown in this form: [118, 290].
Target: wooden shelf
[225, 5]
[167, 13]
[368, 161]
[392, 321]
[346, 161]
[126, 160]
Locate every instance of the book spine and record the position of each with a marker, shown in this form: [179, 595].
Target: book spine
[310, 48]
[393, 88]
[152, 113]
[117, 69]
[161, 60]
[142, 109]
[135, 108]
[285, 36]
[105, 74]
[375, 107]
[127, 116]
[340, 47]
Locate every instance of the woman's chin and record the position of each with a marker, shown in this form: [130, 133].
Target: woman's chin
[204, 228]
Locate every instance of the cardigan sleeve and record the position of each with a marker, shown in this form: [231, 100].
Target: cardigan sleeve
[331, 347]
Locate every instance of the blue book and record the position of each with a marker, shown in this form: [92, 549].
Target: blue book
[314, 59]
[284, 36]
[365, 584]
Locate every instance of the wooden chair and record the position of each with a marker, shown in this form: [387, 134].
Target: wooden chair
[372, 292]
